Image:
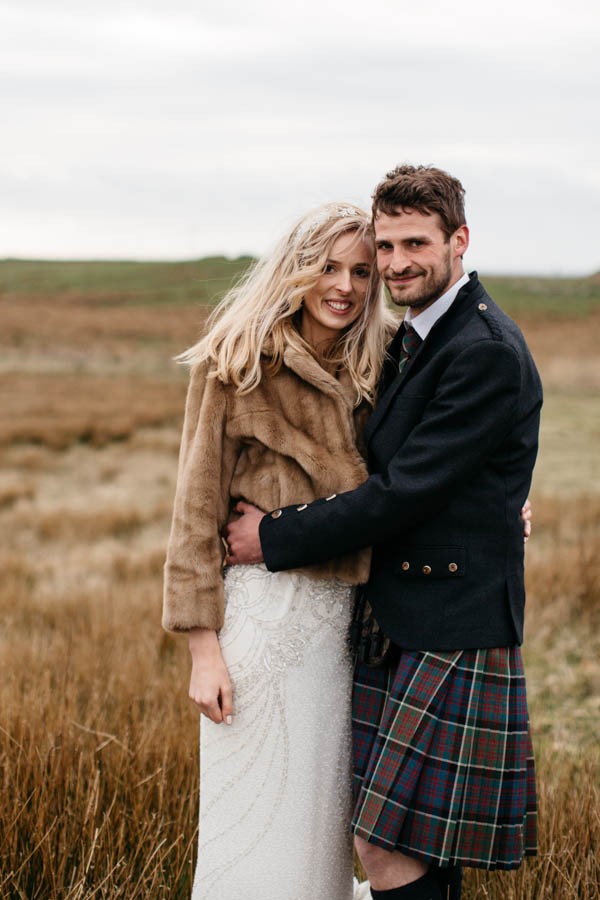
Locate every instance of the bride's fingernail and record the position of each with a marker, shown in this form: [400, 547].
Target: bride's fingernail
[229, 719]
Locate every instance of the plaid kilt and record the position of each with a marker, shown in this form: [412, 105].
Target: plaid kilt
[443, 764]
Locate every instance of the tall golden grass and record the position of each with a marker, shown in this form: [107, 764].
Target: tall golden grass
[98, 742]
[99, 778]
[58, 410]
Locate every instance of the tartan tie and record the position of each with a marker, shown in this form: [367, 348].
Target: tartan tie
[410, 343]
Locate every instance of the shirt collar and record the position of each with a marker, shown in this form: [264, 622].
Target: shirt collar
[424, 322]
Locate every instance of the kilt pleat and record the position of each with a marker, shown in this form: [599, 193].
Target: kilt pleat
[443, 762]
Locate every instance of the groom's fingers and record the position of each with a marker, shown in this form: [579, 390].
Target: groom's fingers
[244, 508]
[526, 517]
[246, 557]
[242, 536]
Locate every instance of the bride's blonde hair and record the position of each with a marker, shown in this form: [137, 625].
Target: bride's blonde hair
[258, 318]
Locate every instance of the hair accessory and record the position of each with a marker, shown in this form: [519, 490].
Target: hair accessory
[325, 214]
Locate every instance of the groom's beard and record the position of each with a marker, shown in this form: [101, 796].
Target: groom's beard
[426, 287]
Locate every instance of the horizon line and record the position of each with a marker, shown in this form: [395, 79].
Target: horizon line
[98, 260]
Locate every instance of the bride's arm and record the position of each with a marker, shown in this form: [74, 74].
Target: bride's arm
[210, 685]
[193, 583]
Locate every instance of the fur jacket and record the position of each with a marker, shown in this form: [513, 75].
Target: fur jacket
[291, 440]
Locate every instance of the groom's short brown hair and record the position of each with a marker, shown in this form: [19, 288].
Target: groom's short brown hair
[424, 189]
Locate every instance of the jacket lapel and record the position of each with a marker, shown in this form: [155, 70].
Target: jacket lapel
[443, 330]
[396, 385]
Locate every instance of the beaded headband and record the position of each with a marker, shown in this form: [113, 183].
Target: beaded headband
[331, 211]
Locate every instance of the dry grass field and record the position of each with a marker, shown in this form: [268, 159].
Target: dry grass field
[98, 742]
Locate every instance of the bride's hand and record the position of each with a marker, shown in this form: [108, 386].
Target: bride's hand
[526, 517]
[210, 685]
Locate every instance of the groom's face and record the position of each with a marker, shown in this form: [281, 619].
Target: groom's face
[417, 261]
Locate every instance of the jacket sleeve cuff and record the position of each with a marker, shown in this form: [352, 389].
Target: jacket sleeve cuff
[188, 606]
[268, 546]
[278, 531]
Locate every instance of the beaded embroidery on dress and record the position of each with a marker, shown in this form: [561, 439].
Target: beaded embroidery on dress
[275, 793]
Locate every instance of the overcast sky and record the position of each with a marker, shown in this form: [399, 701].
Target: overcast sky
[175, 129]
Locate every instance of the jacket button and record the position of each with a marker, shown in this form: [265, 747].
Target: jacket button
[333, 496]
[452, 567]
[276, 514]
[300, 508]
[482, 307]
[405, 566]
[426, 570]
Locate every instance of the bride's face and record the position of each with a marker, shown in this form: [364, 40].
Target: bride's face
[338, 297]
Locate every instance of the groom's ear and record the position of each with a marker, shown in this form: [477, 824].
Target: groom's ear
[460, 241]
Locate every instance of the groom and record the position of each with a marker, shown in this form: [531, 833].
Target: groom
[443, 767]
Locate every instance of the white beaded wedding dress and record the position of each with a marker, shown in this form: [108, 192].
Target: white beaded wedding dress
[275, 796]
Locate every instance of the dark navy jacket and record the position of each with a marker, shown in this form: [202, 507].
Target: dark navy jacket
[452, 443]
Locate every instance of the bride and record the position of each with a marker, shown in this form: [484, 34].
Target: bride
[280, 388]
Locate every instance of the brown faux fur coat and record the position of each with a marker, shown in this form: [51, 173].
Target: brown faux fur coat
[291, 440]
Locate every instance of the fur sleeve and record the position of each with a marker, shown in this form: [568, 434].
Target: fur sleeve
[193, 584]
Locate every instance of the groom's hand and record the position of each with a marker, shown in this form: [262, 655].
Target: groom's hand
[242, 536]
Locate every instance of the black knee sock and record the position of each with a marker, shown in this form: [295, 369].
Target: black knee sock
[450, 881]
[425, 888]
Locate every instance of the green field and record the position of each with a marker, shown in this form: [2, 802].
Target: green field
[121, 282]
[205, 280]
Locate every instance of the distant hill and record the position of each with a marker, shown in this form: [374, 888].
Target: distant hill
[205, 281]
[122, 282]
[557, 297]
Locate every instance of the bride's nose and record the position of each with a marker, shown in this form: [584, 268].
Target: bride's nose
[344, 282]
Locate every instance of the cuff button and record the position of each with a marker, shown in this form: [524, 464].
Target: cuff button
[276, 514]
[300, 508]
[452, 567]
[426, 570]
[405, 566]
